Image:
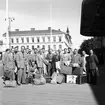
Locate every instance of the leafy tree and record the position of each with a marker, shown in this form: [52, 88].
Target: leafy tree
[93, 43]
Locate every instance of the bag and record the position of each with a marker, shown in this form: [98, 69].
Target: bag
[37, 75]
[77, 71]
[29, 79]
[10, 83]
[60, 78]
[65, 70]
[54, 76]
[71, 79]
[81, 79]
[40, 81]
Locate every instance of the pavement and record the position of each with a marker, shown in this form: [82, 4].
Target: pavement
[52, 94]
[48, 94]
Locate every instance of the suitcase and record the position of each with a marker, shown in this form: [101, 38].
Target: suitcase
[77, 71]
[65, 70]
[81, 79]
[71, 79]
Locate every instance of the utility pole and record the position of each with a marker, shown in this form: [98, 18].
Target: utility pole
[7, 25]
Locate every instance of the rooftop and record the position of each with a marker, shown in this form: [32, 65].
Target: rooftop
[17, 32]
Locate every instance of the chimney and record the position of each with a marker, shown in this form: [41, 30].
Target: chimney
[49, 28]
[16, 29]
[32, 29]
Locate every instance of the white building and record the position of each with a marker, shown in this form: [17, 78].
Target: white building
[50, 38]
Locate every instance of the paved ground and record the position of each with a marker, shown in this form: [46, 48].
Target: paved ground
[64, 94]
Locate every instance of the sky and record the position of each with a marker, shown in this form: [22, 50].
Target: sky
[38, 14]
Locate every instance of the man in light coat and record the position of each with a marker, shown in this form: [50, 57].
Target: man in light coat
[20, 60]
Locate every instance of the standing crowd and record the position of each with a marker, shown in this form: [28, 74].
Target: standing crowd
[18, 65]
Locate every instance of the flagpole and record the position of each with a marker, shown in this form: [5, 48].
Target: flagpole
[7, 25]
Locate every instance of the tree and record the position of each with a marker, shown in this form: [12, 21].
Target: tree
[93, 43]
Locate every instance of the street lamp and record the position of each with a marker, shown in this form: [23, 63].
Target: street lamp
[8, 24]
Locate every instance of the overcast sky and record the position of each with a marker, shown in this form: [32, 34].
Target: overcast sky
[36, 14]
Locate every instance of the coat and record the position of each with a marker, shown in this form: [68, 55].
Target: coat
[92, 61]
[8, 61]
[76, 59]
[20, 60]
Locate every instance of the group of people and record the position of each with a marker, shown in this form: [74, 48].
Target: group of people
[28, 62]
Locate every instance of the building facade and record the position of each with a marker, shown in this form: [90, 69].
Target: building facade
[50, 38]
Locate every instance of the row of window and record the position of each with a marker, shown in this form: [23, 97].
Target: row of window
[43, 46]
[38, 39]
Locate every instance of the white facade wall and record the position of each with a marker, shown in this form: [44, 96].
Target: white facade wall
[41, 43]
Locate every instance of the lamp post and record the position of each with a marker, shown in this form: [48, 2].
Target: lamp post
[7, 25]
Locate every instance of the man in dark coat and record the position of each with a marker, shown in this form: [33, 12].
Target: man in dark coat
[50, 62]
[92, 62]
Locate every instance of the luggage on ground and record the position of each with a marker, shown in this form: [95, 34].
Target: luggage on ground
[77, 71]
[54, 78]
[65, 70]
[71, 79]
[60, 78]
[57, 78]
[82, 79]
[8, 83]
[39, 81]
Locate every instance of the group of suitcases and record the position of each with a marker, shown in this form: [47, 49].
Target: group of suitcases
[65, 75]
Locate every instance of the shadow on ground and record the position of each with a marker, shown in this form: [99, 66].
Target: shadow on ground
[99, 89]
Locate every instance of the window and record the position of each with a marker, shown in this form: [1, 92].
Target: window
[48, 38]
[54, 46]
[32, 47]
[22, 39]
[38, 39]
[60, 46]
[43, 46]
[60, 38]
[27, 39]
[17, 40]
[54, 38]
[48, 46]
[32, 39]
[38, 46]
[12, 40]
[43, 38]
